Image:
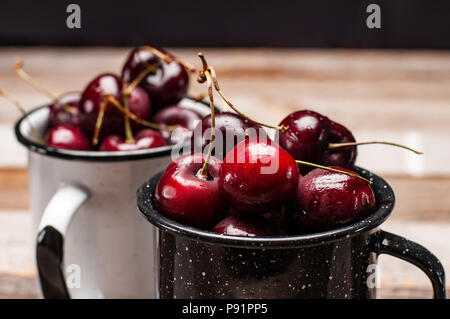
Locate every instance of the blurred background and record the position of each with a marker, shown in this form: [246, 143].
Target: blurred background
[273, 57]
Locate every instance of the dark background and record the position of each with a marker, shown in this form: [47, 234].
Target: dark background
[282, 23]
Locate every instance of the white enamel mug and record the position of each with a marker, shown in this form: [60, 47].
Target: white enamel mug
[91, 243]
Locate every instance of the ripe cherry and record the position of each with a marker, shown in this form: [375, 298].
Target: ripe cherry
[167, 86]
[185, 118]
[65, 110]
[231, 129]
[146, 138]
[185, 196]
[67, 137]
[327, 200]
[245, 226]
[308, 136]
[113, 121]
[257, 176]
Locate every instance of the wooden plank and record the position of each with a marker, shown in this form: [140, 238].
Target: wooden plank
[14, 188]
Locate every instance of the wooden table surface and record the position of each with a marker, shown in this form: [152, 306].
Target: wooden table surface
[401, 96]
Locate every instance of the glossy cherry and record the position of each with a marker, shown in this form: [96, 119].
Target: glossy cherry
[182, 195]
[146, 138]
[257, 176]
[185, 118]
[167, 86]
[231, 129]
[327, 200]
[59, 115]
[113, 120]
[309, 135]
[67, 137]
[245, 226]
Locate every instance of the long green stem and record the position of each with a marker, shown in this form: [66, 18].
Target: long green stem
[228, 102]
[22, 110]
[18, 67]
[206, 72]
[137, 119]
[333, 170]
[333, 146]
[129, 138]
[98, 123]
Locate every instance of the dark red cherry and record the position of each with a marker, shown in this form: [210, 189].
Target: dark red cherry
[257, 176]
[343, 156]
[92, 98]
[231, 129]
[113, 120]
[327, 200]
[146, 138]
[60, 116]
[187, 119]
[183, 196]
[67, 137]
[167, 86]
[254, 226]
[308, 137]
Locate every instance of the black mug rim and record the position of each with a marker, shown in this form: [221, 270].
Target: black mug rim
[384, 195]
[90, 156]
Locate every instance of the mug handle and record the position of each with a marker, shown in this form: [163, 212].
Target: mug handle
[397, 246]
[50, 239]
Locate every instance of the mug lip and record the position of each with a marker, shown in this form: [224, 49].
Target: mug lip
[385, 200]
[90, 156]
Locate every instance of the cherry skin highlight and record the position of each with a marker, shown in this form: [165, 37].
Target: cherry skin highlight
[145, 139]
[59, 116]
[231, 129]
[308, 137]
[183, 196]
[167, 86]
[327, 200]
[257, 176]
[67, 137]
[244, 226]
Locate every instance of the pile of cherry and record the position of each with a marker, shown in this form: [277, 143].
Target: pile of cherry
[250, 185]
[234, 180]
[137, 110]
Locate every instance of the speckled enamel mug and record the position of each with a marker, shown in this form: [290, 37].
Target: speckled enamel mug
[90, 241]
[340, 263]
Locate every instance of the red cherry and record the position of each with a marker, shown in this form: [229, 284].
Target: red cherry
[231, 129]
[60, 116]
[167, 86]
[67, 137]
[113, 120]
[327, 200]
[257, 176]
[244, 226]
[188, 199]
[146, 138]
[308, 136]
[187, 119]
[344, 156]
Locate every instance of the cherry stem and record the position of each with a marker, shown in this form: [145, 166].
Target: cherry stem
[99, 121]
[333, 170]
[149, 68]
[129, 138]
[333, 146]
[212, 72]
[167, 58]
[34, 131]
[206, 73]
[137, 119]
[18, 67]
